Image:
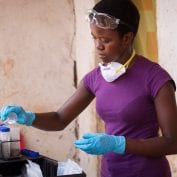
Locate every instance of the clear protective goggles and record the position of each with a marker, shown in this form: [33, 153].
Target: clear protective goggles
[103, 20]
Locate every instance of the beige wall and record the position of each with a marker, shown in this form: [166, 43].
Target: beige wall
[167, 47]
[36, 65]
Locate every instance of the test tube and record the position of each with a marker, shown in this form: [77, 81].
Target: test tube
[11, 118]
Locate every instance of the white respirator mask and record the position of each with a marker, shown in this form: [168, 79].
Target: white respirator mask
[113, 70]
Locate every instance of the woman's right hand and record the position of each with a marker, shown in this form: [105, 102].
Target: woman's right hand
[23, 117]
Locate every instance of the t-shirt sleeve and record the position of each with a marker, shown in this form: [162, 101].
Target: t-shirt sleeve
[156, 78]
[89, 81]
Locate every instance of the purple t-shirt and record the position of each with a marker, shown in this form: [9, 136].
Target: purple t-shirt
[127, 108]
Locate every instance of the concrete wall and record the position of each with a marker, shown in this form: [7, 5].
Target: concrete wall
[167, 45]
[36, 65]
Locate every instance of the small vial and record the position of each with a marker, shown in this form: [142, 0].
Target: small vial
[5, 140]
[11, 118]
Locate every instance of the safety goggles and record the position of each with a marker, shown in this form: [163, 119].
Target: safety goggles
[103, 20]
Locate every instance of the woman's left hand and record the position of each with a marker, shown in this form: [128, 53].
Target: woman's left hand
[100, 143]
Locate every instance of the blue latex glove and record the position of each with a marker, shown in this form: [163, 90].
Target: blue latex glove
[99, 143]
[23, 117]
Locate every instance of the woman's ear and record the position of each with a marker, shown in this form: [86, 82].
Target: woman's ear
[128, 38]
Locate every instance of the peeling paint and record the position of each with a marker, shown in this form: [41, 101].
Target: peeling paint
[7, 66]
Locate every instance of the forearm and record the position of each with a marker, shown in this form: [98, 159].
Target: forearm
[50, 121]
[152, 147]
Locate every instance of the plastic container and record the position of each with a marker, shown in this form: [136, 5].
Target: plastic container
[11, 118]
[48, 167]
[15, 141]
[5, 142]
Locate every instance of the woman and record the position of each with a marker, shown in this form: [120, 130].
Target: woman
[134, 96]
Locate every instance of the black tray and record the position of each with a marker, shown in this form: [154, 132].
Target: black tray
[12, 168]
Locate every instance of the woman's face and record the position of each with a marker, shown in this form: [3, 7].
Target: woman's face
[109, 45]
